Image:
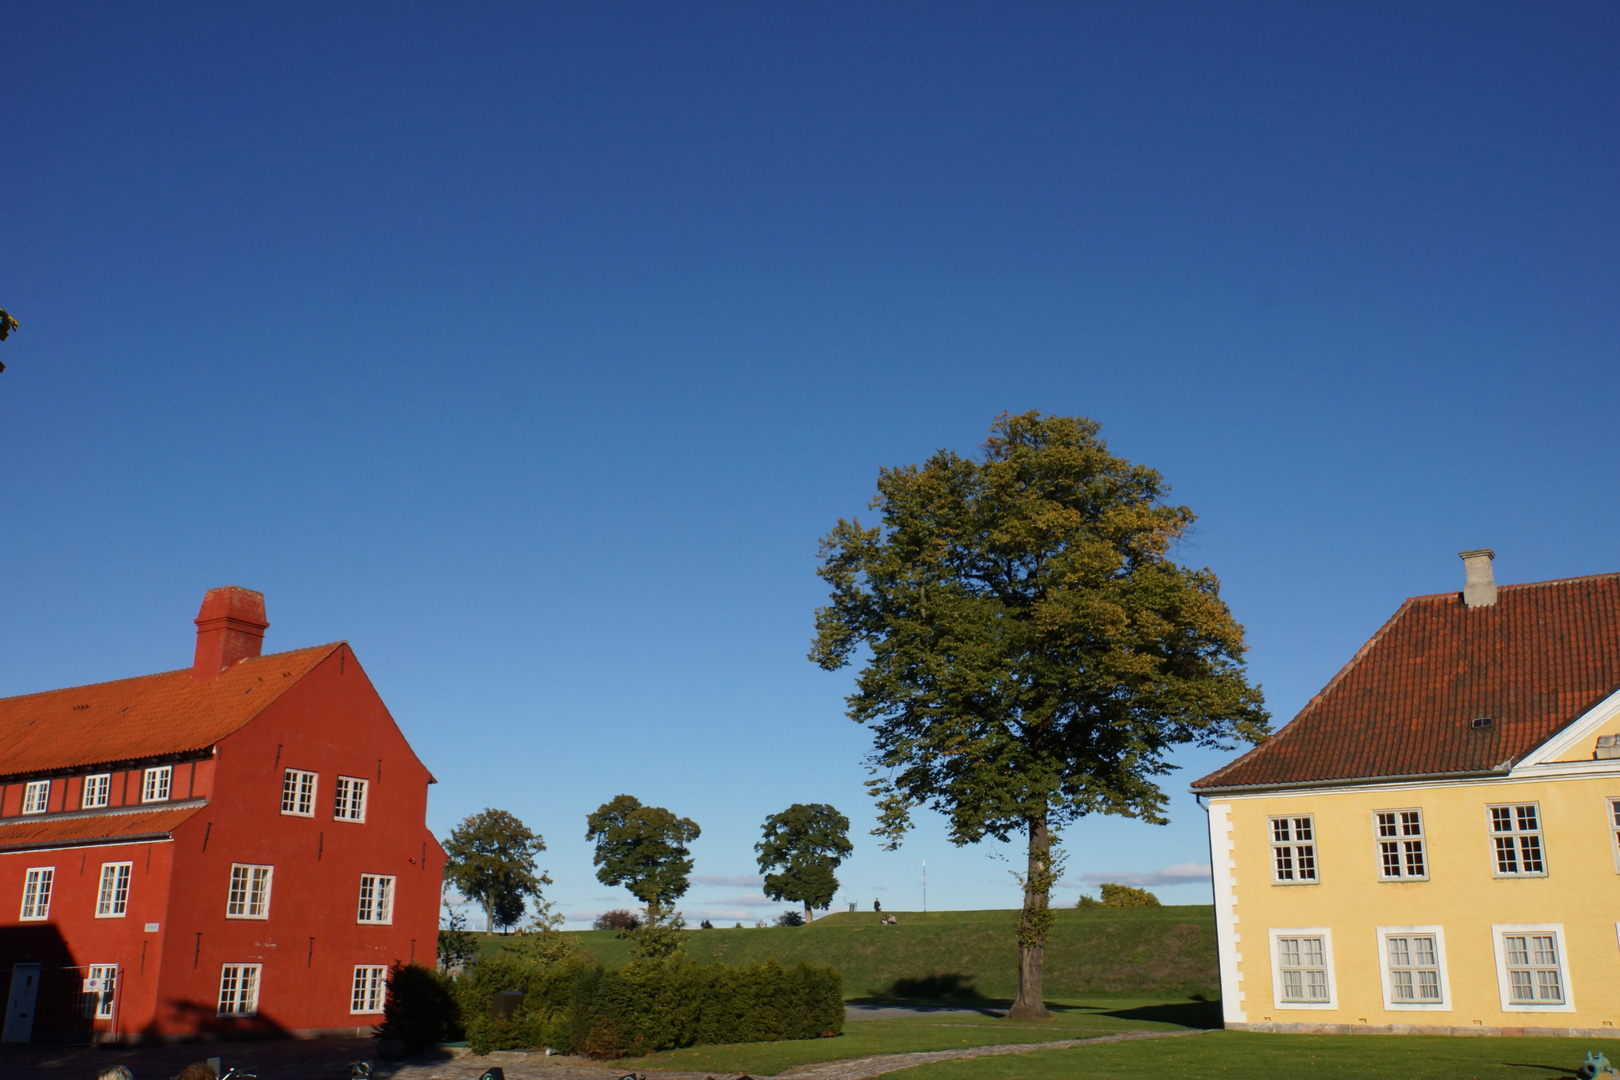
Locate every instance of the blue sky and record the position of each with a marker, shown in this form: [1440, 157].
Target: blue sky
[531, 349]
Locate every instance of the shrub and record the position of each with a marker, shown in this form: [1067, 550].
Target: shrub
[1125, 896]
[790, 917]
[544, 1019]
[663, 1004]
[617, 919]
[420, 1009]
[1088, 901]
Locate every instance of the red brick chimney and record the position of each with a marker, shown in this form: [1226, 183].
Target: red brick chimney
[230, 627]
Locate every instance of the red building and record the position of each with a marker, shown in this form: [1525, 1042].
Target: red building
[238, 847]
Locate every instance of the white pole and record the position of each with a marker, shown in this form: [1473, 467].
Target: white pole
[925, 886]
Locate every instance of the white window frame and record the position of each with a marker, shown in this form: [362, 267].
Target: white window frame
[97, 791]
[1614, 829]
[1323, 932]
[36, 897]
[36, 796]
[1504, 985]
[98, 1004]
[1391, 1002]
[244, 990]
[369, 990]
[115, 876]
[345, 807]
[1539, 832]
[1296, 850]
[251, 882]
[299, 788]
[1402, 841]
[376, 898]
[156, 783]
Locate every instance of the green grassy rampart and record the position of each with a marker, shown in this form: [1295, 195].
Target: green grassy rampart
[1164, 952]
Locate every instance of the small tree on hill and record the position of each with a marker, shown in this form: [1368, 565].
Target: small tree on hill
[644, 849]
[804, 845]
[491, 859]
[1126, 896]
[1034, 650]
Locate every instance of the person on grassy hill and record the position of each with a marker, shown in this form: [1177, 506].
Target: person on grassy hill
[802, 849]
[1032, 650]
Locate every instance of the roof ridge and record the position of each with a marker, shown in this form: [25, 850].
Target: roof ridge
[161, 674]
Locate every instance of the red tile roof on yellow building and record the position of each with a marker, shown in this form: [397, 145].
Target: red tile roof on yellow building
[1534, 661]
[76, 830]
[145, 717]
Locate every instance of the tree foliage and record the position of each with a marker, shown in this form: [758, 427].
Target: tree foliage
[1034, 651]
[491, 859]
[800, 854]
[1126, 896]
[644, 849]
[7, 325]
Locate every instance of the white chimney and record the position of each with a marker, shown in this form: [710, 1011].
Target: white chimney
[1479, 590]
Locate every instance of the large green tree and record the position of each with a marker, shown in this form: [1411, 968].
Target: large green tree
[1034, 651]
[800, 854]
[644, 849]
[491, 859]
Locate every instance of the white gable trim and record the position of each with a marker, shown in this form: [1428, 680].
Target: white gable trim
[1583, 728]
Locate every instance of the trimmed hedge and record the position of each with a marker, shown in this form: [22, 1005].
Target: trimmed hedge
[664, 1004]
[647, 1005]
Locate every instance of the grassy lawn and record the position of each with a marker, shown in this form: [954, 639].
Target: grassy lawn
[866, 1036]
[1165, 952]
[1249, 1054]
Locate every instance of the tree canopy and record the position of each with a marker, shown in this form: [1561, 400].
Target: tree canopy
[800, 854]
[491, 859]
[1034, 651]
[644, 849]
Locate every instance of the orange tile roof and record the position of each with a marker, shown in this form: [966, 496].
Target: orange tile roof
[79, 830]
[1534, 661]
[148, 716]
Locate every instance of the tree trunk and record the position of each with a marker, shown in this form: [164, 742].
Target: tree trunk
[489, 914]
[1032, 926]
[809, 916]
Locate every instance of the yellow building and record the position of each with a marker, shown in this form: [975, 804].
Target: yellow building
[1433, 844]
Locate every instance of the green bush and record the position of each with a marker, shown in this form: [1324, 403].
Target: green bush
[663, 1004]
[1125, 896]
[421, 1008]
[543, 1020]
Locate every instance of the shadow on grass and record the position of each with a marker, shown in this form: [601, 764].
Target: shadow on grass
[951, 987]
[1205, 1015]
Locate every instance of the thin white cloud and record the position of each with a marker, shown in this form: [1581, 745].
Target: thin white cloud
[751, 900]
[1180, 874]
[735, 881]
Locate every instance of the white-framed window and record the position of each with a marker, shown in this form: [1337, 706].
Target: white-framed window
[1532, 970]
[376, 898]
[1516, 833]
[36, 902]
[239, 989]
[1400, 845]
[36, 796]
[155, 784]
[1412, 964]
[1614, 830]
[249, 897]
[1302, 968]
[350, 804]
[96, 791]
[298, 793]
[100, 989]
[1293, 850]
[370, 988]
[113, 899]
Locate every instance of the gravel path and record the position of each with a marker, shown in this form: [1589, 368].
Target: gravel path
[328, 1059]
